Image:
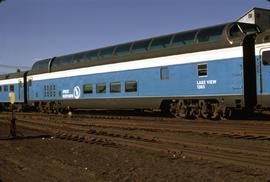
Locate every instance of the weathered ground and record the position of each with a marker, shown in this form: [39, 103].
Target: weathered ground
[51, 159]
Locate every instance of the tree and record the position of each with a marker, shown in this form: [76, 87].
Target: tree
[1, 1]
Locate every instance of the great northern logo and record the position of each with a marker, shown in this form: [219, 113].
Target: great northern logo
[77, 92]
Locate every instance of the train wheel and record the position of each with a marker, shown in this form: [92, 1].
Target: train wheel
[178, 110]
[228, 113]
[174, 109]
[181, 110]
[218, 112]
[203, 110]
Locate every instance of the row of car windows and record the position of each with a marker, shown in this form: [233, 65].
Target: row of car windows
[7, 88]
[115, 87]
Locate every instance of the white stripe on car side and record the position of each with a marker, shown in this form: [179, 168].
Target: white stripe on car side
[197, 57]
[261, 47]
[11, 81]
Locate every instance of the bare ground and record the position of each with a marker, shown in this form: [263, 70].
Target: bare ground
[52, 159]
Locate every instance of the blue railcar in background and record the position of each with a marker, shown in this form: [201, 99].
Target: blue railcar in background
[14, 82]
[262, 50]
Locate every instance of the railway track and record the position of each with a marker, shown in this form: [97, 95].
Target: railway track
[235, 127]
[243, 130]
[162, 137]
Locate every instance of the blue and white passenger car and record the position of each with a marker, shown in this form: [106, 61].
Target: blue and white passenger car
[205, 71]
[11, 83]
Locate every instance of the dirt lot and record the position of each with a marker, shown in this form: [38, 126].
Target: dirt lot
[51, 159]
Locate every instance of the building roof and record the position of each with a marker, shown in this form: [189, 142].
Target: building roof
[253, 9]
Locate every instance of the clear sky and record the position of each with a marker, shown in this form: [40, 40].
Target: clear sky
[36, 29]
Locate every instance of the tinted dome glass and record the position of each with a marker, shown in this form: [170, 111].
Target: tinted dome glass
[210, 34]
[249, 28]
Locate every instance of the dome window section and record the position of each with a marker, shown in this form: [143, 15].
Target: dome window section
[160, 43]
[79, 58]
[210, 34]
[92, 55]
[42, 65]
[183, 39]
[123, 50]
[235, 31]
[140, 47]
[106, 52]
[62, 61]
[249, 28]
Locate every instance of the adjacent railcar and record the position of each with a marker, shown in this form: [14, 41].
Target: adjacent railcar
[209, 70]
[12, 83]
[262, 49]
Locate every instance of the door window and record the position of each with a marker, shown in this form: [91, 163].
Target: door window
[266, 57]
